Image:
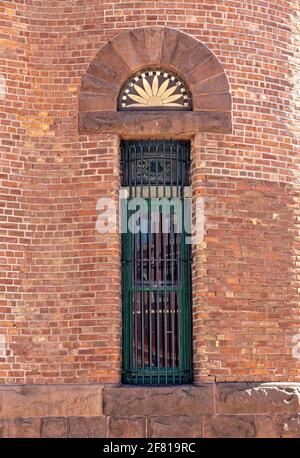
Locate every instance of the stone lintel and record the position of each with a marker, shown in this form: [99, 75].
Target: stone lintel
[155, 123]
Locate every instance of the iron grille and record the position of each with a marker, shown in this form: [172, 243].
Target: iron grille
[156, 263]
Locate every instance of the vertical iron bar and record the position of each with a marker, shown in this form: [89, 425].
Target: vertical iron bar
[158, 267]
[168, 279]
[142, 236]
[149, 269]
[134, 264]
[172, 268]
[177, 249]
[129, 265]
[159, 312]
[188, 287]
[182, 305]
[164, 236]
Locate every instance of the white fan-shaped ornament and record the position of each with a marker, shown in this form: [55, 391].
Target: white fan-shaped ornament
[155, 89]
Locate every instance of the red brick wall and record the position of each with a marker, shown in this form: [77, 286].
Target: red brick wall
[60, 281]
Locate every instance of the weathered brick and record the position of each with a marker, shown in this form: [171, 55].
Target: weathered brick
[60, 285]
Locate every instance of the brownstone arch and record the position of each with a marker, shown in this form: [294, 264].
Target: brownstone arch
[163, 47]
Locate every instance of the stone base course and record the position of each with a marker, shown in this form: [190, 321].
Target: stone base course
[237, 410]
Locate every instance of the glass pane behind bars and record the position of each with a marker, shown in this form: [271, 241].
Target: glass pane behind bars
[157, 256]
[156, 337]
[156, 268]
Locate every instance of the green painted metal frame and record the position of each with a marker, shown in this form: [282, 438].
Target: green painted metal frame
[157, 375]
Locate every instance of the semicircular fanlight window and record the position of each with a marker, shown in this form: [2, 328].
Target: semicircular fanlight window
[155, 90]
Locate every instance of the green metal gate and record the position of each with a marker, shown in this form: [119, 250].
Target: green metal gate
[156, 263]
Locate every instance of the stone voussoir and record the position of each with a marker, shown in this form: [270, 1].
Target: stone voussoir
[131, 46]
[154, 40]
[170, 41]
[94, 102]
[104, 72]
[185, 46]
[207, 69]
[190, 60]
[112, 59]
[95, 85]
[212, 102]
[218, 83]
